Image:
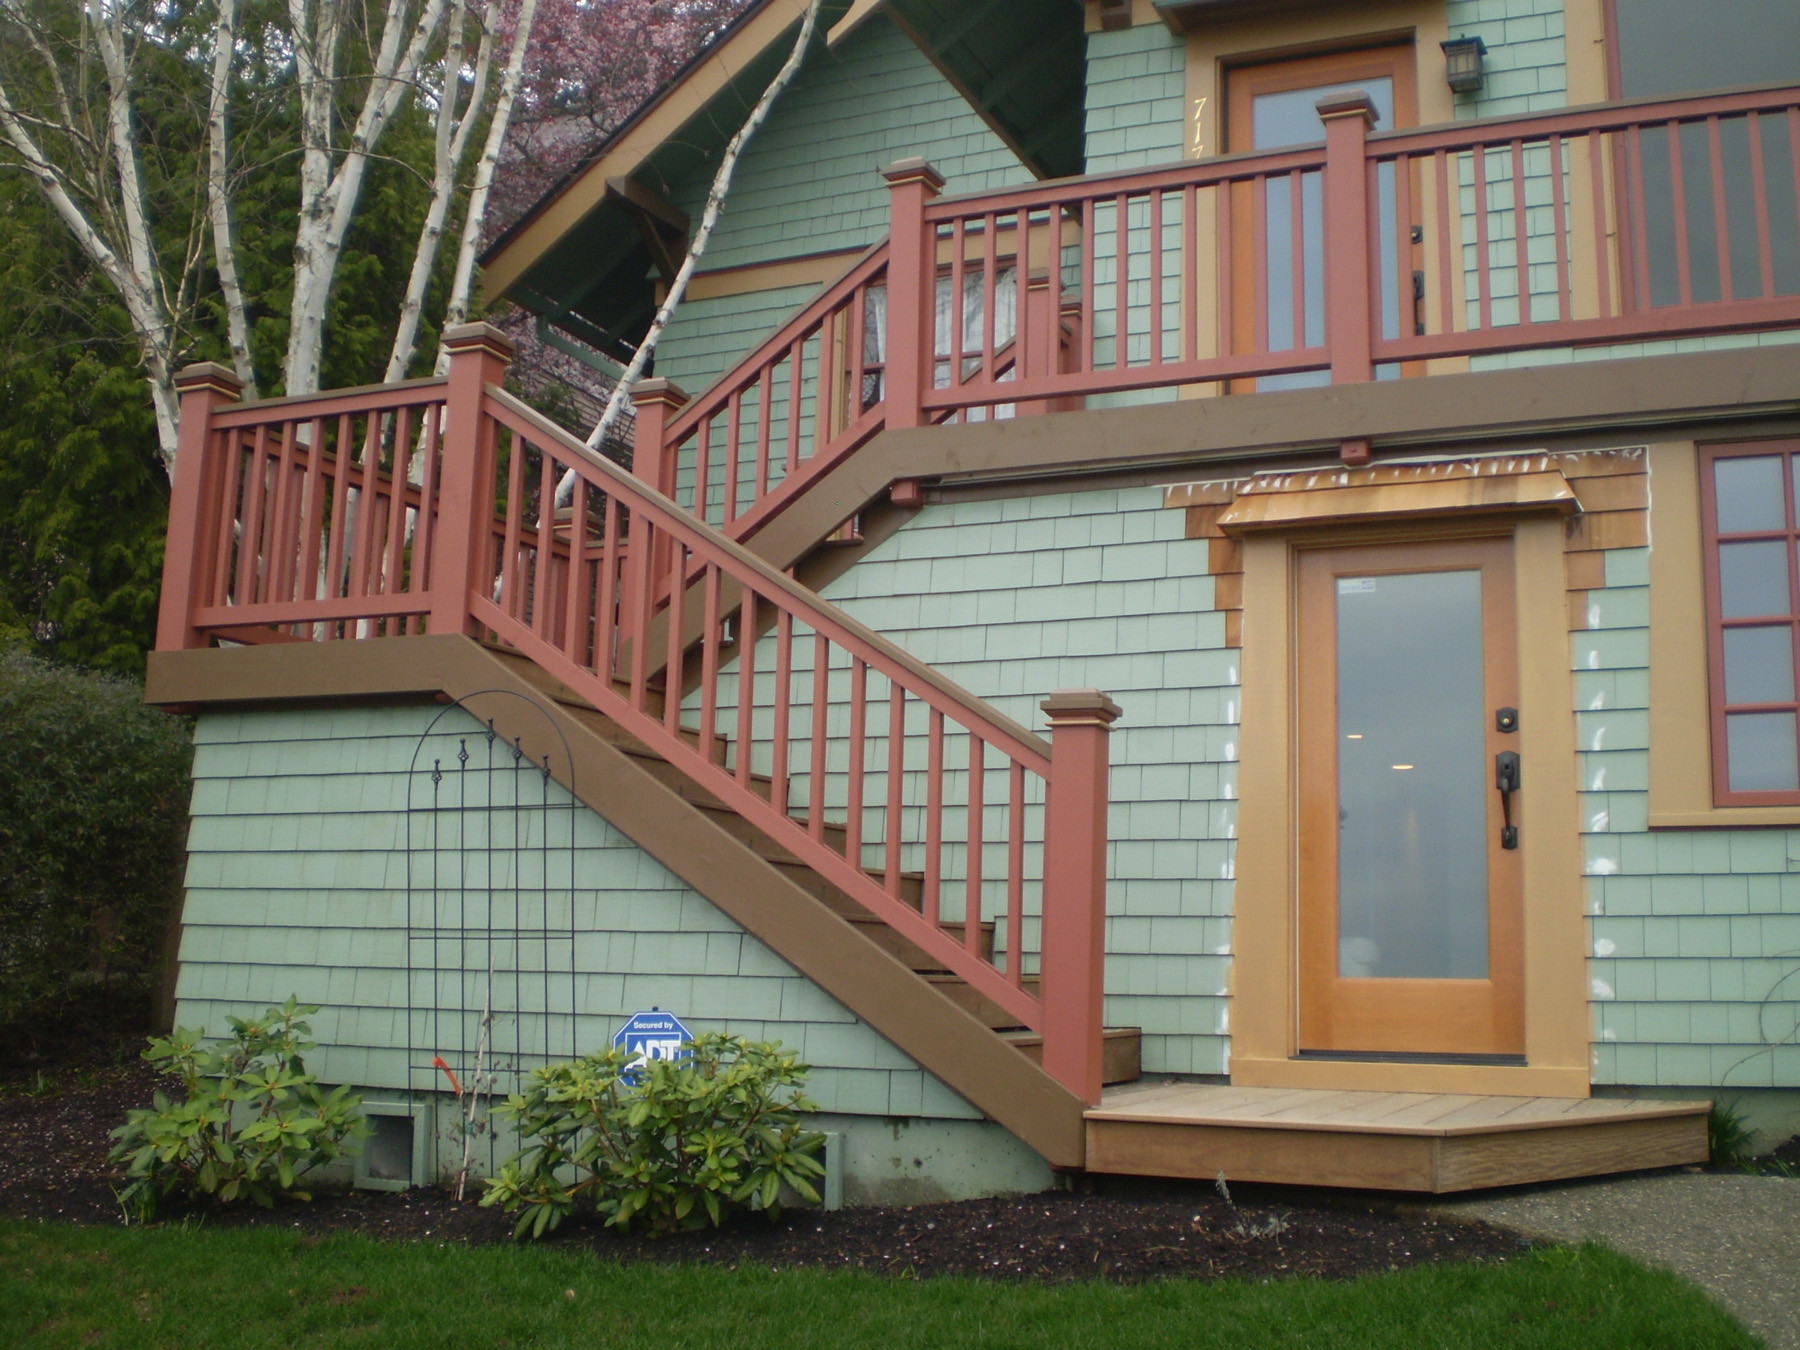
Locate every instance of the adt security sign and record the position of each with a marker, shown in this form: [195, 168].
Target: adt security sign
[652, 1035]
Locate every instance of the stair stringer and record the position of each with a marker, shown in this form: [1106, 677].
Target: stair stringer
[946, 1041]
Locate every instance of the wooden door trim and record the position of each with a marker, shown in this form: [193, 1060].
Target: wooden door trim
[1263, 1021]
[1437, 1016]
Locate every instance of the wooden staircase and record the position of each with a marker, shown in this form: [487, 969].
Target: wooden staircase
[1122, 1045]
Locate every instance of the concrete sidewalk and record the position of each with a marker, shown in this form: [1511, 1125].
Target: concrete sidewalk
[1737, 1237]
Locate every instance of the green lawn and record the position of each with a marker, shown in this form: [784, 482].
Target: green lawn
[199, 1288]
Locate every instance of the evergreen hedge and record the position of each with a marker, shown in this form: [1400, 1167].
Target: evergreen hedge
[93, 815]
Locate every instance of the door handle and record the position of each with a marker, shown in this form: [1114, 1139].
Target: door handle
[1506, 779]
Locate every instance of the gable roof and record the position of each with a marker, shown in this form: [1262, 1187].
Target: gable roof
[578, 256]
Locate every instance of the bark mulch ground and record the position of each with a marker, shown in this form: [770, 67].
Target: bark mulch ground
[53, 1166]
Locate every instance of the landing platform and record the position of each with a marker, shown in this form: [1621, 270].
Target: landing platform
[1398, 1141]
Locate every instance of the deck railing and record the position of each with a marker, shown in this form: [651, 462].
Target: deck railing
[434, 508]
[1360, 258]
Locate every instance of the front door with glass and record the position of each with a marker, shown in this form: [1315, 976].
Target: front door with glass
[1409, 923]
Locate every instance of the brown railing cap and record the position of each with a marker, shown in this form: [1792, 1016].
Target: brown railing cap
[913, 169]
[1080, 706]
[463, 336]
[208, 375]
[1349, 103]
[656, 389]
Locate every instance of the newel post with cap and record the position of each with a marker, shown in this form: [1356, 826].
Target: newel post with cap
[479, 356]
[195, 525]
[1072, 978]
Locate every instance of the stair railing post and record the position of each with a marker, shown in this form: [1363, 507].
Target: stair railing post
[911, 289]
[655, 404]
[1072, 975]
[479, 356]
[195, 526]
[1349, 306]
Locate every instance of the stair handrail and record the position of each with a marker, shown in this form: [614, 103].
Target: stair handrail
[587, 609]
[723, 399]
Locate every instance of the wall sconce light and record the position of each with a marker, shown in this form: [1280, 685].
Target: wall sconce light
[1462, 63]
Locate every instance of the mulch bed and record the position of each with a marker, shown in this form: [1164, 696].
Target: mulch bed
[53, 1146]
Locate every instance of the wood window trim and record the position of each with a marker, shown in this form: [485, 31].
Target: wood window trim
[1681, 709]
[1263, 977]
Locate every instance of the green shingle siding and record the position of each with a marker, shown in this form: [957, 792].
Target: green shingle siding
[297, 883]
[1696, 933]
[1099, 588]
[810, 181]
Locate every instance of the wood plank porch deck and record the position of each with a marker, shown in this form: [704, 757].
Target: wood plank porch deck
[1401, 1141]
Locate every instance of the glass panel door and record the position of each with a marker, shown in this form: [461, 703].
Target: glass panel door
[1409, 856]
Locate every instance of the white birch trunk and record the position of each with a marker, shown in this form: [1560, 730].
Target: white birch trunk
[475, 218]
[218, 196]
[327, 212]
[715, 202]
[452, 144]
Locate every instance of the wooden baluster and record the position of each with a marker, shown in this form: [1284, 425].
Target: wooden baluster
[313, 522]
[1121, 279]
[1482, 278]
[1187, 341]
[1559, 223]
[990, 295]
[605, 613]
[1259, 263]
[425, 540]
[821, 699]
[511, 601]
[1074, 921]
[858, 356]
[543, 608]
[1516, 163]
[339, 541]
[796, 371]
[972, 896]
[674, 658]
[575, 616]
[959, 243]
[1405, 308]
[784, 674]
[250, 541]
[896, 784]
[195, 536]
[363, 557]
[934, 815]
[854, 768]
[1156, 277]
[746, 697]
[1015, 875]
[1449, 295]
[709, 660]
[636, 629]
[1089, 248]
[733, 433]
[822, 396]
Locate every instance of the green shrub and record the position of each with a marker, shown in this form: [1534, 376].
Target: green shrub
[676, 1149]
[251, 1123]
[93, 816]
[1730, 1141]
